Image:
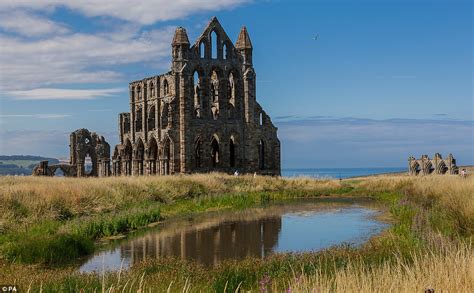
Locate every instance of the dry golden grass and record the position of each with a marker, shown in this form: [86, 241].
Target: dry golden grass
[444, 210]
[451, 193]
[449, 271]
[27, 200]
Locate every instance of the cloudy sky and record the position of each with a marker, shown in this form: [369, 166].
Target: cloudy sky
[384, 79]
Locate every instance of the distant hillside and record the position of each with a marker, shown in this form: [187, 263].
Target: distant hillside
[21, 164]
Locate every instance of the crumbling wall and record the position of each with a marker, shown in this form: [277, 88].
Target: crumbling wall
[82, 144]
[437, 165]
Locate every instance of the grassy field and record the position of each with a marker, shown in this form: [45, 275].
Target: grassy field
[47, 222]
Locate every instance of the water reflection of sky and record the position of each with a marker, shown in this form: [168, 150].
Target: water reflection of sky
[308, 231]
[256, 233]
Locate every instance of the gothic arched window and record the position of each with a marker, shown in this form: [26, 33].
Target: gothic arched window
[214, 45]
[197, 94]
[214, 95]
[202, 49]
[166, 88]
[231, 96]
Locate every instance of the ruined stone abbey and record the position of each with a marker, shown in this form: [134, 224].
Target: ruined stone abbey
[437, 165]
[201, 116]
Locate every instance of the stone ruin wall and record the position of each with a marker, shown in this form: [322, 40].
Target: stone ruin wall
[83, 143]
[201, 116]
[437, 165]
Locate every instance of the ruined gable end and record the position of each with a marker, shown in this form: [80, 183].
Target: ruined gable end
[202, 115]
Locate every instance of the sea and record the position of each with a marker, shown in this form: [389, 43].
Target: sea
[338, 173]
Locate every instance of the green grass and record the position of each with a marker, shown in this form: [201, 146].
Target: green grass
[44, 243]
[424, 217]
[66, 237]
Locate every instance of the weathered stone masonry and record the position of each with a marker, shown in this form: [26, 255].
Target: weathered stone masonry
[83, 143]
[201, 116]
[437, 165]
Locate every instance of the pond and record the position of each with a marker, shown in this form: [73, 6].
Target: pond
[308, 225]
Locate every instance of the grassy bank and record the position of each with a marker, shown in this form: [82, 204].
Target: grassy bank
[51, 220]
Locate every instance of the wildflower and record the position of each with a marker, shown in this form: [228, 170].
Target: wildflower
[264, 282]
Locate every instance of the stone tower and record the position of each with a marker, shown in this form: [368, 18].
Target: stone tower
[201, 116]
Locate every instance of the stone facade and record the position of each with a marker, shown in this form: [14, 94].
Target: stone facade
[201, 116]
[44, 169]
[83, 143]
[437, 165]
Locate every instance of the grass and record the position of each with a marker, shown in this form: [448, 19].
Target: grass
[51, 220]
[450, 270]
[35, 211]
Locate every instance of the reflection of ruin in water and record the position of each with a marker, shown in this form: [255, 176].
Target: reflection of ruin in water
[210, 246]
[259, 232]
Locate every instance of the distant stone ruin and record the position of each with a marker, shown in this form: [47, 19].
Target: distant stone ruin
[83, 144]
[437, 165]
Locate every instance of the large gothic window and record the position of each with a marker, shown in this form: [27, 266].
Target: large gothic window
[152, 155]
[152, 90]
[164, 115]
[231, 89]
[126, 124]
[139, 155]
[225, 51]
[151, 118]
[202, 49]
[215, 152]
[139, 93]
[166, 88]
[197, 94]
[214, 95]
[138, 120]
[214, 45]
[127, 156]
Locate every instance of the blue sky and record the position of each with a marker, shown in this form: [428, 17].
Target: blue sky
[384, 79]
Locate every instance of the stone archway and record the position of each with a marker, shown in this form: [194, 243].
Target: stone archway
[127, 156]
[85, 144]
[138, 157]
[152, 156]
[215, 152]
[167, 157]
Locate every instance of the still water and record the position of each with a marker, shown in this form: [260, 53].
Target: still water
[210, 239]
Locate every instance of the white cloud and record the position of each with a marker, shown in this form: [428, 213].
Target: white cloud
[62, 94]
[78, 58]
[141, 11]
[28, 24]
[43, 53]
